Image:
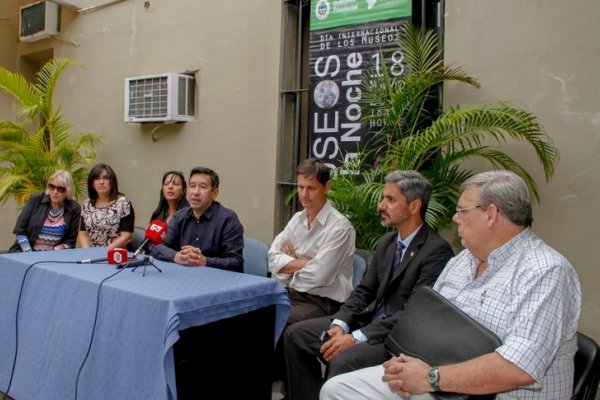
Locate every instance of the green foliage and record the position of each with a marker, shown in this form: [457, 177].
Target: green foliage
[32, 150]
[434, 142]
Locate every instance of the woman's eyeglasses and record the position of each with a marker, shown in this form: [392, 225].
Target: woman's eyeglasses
[59, 189]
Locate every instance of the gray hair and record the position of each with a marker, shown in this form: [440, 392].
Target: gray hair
[413, 186]
[507, 191]
[63, 177]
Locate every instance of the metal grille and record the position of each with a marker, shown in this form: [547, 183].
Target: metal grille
[149, 98]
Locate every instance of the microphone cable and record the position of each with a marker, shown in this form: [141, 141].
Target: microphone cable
[14, 364]
[93, 328]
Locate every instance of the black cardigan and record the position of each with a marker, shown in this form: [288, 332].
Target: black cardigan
[34, 214]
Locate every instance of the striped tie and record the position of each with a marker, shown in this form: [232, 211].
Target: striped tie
[398, 256]
[380, 312]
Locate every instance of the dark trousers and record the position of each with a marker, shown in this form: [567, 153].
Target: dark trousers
[301, 344]
[304, 306]
[204, 356]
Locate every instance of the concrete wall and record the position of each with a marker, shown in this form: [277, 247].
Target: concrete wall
[543, 56]
[9, 28]
[233, 47]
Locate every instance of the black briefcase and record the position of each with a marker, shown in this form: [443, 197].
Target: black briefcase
[436, 331]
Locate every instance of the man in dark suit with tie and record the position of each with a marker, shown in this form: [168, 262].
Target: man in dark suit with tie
[353, 337]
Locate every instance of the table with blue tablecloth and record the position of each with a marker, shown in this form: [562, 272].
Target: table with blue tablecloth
[127, 326]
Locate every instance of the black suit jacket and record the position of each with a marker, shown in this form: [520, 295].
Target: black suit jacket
[421, 264]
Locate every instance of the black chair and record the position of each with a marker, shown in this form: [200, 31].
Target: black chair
[139, 234]
[587, 368]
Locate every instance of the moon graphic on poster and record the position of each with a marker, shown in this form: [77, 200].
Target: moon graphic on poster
[326, 94]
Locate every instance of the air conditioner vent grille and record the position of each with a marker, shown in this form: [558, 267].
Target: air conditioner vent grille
[160, 98]
[148, 98]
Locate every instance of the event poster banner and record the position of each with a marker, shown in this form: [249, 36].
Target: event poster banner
[347, 38]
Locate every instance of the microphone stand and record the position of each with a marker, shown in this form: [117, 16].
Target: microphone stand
[135, 263]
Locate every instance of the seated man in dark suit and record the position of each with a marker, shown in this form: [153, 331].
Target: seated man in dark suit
[413, 256]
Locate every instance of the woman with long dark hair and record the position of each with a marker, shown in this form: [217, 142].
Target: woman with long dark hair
[107, 216]
[172, 196]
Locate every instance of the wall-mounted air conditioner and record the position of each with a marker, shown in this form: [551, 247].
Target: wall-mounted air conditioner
[38, 21]
[166, 97]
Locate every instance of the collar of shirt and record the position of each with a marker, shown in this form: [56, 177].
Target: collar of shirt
[208, 214]
[406, 242]
[514, 246]
[321, 217]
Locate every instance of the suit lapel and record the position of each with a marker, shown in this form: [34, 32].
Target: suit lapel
[388, 260]
[412, 251]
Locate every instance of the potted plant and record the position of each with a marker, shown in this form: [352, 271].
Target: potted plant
[434, 142]
[32, 150]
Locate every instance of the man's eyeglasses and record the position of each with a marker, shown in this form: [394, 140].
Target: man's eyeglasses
[461, 211]
[59, 189]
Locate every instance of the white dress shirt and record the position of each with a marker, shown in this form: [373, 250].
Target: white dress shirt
[329, 244]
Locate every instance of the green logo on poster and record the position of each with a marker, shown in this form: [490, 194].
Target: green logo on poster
[322, 10]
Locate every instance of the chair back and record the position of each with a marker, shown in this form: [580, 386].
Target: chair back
[256, 257]
[139, 234]
[587, 368]
[359, 266]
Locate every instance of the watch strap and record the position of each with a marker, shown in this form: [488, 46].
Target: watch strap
[433, 377]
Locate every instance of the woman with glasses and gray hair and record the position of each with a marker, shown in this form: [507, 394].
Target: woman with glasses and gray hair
[50, 219]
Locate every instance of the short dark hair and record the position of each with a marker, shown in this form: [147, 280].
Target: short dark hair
[314, 167]
[214, 178]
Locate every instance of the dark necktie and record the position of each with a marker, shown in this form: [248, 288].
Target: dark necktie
[398, 256]
[380, 312]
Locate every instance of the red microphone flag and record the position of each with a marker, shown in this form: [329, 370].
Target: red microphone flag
[156, 231]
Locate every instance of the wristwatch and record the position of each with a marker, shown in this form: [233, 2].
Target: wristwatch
[433, 378]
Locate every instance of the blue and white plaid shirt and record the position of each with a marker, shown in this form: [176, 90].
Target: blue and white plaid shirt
[530, 296]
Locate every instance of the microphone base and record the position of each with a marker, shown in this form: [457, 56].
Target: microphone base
[135, 264]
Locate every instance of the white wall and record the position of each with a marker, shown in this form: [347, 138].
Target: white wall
[233, 46]
[543, 56]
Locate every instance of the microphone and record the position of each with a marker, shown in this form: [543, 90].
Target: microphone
[117, 255]
[113, 256]
[93, 260]
[136, 263]
[155, 233]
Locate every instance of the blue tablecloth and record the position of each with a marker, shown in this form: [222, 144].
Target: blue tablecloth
[137, 323]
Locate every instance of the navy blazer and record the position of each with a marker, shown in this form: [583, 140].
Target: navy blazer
[423, 261]
[34, 214]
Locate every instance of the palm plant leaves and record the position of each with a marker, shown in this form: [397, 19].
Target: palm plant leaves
[413, 136]
[31, 151]
[18, 87]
